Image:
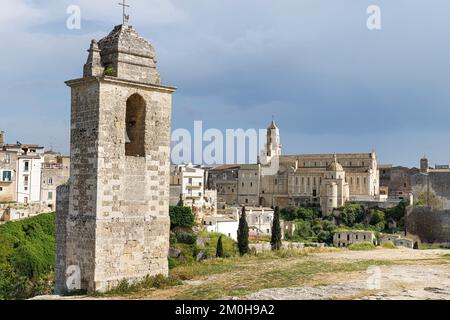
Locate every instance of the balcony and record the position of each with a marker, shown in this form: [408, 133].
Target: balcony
[193, 186]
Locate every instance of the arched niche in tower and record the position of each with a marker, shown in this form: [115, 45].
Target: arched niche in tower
[135, 126]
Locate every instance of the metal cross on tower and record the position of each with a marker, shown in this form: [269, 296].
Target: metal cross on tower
[125, 16]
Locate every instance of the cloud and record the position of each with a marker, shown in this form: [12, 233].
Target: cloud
[312, 63]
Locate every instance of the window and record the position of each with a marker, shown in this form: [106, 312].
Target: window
[25, 181]
[6, 176]
[50, 196]
[7, 158]
[1, 189]
[251, 184]
[135, 127]
[26, 166]
[50, 181]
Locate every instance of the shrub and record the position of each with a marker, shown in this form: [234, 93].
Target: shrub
[211, 241]
[172, 238]
[181, 217]
[362, 246]
[27, 249]
[109, 71]
[186, 237]
[388, 245]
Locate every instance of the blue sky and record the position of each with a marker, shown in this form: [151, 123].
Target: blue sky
[333, 85]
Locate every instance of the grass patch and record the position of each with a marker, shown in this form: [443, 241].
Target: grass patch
[149, 283]
[260, 274]
[433, 247]
[388, 245]
[363, 246]
[195, 269]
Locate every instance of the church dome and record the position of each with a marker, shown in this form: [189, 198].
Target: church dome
[335, 166]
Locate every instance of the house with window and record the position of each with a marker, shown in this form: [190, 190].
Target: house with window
[187, 182]
[55, 171]
[344, 238]
[8, 163]
[28, 159]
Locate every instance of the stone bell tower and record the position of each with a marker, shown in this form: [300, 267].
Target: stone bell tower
[113, 217]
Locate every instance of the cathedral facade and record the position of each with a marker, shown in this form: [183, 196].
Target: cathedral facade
[327, 181]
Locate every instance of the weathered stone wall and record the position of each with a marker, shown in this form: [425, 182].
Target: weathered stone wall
[428, 226]
[437, 183]
[62, 208]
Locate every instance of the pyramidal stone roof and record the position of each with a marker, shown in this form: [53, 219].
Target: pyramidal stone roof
[125, 55]
[123, 38]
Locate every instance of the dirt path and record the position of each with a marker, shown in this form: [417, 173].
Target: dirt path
[415, 275]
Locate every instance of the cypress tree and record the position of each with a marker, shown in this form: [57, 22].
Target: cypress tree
[276, 231]
[219, 250]
[242, 234]
[181, 202]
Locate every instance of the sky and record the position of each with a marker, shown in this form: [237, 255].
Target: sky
[332, 84]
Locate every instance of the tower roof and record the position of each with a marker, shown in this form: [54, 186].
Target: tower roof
[124, 39]
[273, 125]
[128, 56]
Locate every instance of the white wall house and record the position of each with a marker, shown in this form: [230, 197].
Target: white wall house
[222, 224]
[29, 178]
[188, 182]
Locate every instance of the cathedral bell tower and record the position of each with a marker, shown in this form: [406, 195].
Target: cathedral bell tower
[113, 217]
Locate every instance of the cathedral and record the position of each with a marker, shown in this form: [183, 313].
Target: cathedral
[327, 181]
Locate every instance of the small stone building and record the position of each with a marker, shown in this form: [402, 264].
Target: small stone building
[344, 238]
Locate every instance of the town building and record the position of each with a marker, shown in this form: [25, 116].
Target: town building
[26, 161]
[345, 238]
[55, 171]
[187, 183]
[397, 240]
[222, 224]
[395, 181]
[8, 166]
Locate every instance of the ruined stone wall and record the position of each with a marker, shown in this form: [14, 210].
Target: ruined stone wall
[428, 226]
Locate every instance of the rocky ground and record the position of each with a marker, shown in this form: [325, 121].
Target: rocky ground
[422, 276]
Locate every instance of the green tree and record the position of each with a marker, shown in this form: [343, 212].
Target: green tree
[289, 213]
[351, 214]
[181, 202]
[219, 250]
[242, 234]
[276, 231]
[181, 217]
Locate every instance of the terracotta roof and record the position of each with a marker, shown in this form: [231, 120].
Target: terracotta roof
[225, 167]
